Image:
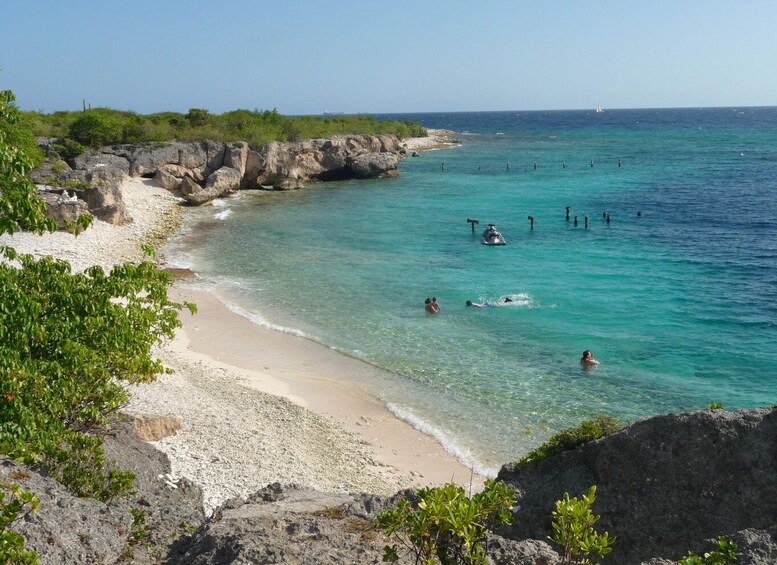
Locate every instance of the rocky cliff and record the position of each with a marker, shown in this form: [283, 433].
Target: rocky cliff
[202, 171]
[666, 485]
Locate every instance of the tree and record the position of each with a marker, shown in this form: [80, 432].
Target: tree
[95, 129]
[68, 341]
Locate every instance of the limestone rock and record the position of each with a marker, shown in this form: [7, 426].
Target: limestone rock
[154, 428]
[286, 525]
[91, 161]
[223, 181]
[63, 207]
[525, 552]
[192, 156]
[214, 152]
[374, 165]
[107, 204]
[236, 156]
[166, 180]
[664, 484]
[146, 159]
[189, 186]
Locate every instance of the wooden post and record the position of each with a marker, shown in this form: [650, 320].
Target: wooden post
[507, 167]
[531, 221]
[604, 215]
[535, 165]
[586, 222]
[567, 213]
[575, 221]
[473, 222]
[442, 166]
[608, 219]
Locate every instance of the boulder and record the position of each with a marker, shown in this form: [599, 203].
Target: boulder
[286, 525]
[166, 180]
[154, 428]
[189, 186]
[223, 181]
[214, 152]
[192, 156]
[664, 484]
[525, 552]
[236, 156]
[63, 207]
[106, 203]
[91, 161]
[374, 165]
[147, 158]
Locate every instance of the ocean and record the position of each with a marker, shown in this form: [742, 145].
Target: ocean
[676, 295]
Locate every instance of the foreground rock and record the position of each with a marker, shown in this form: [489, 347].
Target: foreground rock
[665, 485]
[298, 525]
[67, 529]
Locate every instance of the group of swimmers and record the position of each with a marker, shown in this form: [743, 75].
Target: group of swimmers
[433, 307]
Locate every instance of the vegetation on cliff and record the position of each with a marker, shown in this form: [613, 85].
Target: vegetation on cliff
[105, 126]
[68, 341]
[571, 438]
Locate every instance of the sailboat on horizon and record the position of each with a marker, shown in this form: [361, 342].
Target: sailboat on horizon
[599, 109]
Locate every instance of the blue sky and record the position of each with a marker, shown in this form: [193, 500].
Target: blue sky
[304, 57]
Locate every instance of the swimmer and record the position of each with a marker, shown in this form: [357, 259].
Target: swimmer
[435, 306]
[474, 304]
[587, 360]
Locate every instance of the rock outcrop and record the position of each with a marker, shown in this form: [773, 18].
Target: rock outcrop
[206, 170]
[664, 484]
[68, 529]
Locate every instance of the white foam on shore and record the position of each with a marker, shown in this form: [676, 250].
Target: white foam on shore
[464, 455]
[255, 318]
[223, 215]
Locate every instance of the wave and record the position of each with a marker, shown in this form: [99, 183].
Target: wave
[223, 215]
[255, 318]
[464, 455]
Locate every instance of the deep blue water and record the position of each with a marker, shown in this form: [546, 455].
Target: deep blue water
[676, 296]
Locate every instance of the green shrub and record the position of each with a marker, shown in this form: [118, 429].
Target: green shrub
[724, 554]
[446, 524]
[573, 529]
[716, 406]
[67, 342]
[68, 148]
[571, 438]
[17, 506]
[95, 128]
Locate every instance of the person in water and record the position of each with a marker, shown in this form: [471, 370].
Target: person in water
[587, 360]
[505, 300]
[431, 306]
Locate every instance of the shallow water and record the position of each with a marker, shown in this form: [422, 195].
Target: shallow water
[679, 303]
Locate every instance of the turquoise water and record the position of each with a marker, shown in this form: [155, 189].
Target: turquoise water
[679, 303]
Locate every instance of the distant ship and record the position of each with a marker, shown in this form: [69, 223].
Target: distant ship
[599, 109]
[328, 113]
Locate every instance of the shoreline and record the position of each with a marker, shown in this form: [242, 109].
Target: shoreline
[289, 415]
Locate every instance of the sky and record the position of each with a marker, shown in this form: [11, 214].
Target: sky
[374, 56]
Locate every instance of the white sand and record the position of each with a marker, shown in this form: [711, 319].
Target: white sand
[236, 437]
[437, 139]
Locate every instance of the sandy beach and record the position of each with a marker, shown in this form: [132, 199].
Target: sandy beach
[256, 406]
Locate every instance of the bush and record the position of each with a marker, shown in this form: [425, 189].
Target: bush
[573, 529]
[68, 148]
[11, 543]
[724, 554]
[94, 129]
[571, 438]
[67, 341]
[446, 524]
